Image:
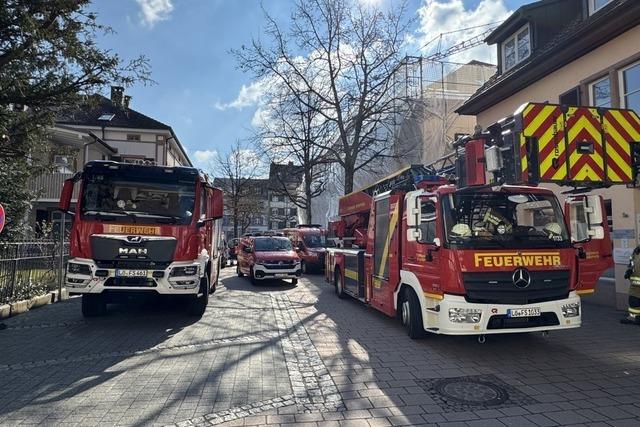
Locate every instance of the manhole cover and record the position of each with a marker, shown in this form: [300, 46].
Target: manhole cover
[471, 391]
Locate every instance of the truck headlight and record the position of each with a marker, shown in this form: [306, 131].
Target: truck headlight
[75, 268]
[571, 309]
[465, 315]
[190, 270]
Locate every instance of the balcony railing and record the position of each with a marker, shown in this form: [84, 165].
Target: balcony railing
[49, 185]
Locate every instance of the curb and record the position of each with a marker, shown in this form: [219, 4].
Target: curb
[19, 307]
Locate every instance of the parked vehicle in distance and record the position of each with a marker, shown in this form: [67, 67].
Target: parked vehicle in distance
[267, 257]
[233, 248]
[309, 241]
[224, 253]
[142, 230]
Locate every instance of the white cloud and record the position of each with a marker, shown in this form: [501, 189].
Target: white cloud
[152, 11]
[204, 158]
[248, 96]
[439, 16]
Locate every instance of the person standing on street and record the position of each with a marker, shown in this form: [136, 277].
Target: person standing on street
[633, 274]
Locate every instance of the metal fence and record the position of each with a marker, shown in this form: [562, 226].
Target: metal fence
[30, 268]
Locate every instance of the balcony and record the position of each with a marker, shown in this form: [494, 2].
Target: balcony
[49, 186]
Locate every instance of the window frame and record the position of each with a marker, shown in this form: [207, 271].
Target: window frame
[590, 87]
[621, 92]
[514, 37]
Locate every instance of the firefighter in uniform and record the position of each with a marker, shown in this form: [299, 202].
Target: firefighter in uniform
[633, 274]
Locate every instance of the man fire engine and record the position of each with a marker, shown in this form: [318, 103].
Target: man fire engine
[142, 229]
[471, 245]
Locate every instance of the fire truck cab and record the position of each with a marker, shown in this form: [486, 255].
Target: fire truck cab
[142, 230]
[267, 256]
[309, 241]
[470, 244]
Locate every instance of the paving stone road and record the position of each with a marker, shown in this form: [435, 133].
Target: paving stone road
[278, 354]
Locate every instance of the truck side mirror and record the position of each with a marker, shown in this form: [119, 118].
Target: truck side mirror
[65, 197]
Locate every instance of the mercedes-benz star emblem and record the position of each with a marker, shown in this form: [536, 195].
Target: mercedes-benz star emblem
[521, 278]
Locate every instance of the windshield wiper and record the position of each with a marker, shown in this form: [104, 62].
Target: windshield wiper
[107, 216]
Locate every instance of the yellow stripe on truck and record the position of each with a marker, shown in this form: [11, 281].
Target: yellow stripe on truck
[351, 274]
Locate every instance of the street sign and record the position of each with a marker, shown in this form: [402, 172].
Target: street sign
[2, 218]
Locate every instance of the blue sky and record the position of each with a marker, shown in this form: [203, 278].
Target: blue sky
[199, 91]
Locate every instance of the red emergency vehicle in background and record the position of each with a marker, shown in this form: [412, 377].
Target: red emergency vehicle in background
[142, 229]
[309, 241]
[267, 256]
[471, 245]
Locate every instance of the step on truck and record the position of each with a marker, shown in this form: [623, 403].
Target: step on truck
[142, 230]
[472, 244]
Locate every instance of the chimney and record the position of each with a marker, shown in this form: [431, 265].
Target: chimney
[116, 95]
[127, 101]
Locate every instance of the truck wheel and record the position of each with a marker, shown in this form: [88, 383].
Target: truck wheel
[252, 277]
[198, 304]
[93, 305]
[294, 282]
[339, 285]
[411, 315]
[240, 273]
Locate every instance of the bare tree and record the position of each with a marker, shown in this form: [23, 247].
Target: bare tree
[351, 52]
[296, 132]
[238, 173]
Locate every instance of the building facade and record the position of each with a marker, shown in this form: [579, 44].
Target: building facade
[574, 52]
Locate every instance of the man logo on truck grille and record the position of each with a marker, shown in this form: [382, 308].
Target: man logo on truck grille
[132, 251]
[134, 239]
[521, 278]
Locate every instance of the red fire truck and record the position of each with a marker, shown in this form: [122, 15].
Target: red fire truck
[470, 244]
[140, 230]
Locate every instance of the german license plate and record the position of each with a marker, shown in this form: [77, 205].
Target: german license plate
[131, 273]
[523, 312]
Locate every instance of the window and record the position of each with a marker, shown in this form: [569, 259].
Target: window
[380, 263]
[293, 212]
[630, 87]
[281, 211]
[133, 137]
[600, 93]
[516, 49]
[596, 5]
[427, 221]
[571, 97]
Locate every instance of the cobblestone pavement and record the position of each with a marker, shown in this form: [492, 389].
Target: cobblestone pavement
[277, 354]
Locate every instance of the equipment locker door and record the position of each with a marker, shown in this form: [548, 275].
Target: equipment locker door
[385, 272]
[590, 232]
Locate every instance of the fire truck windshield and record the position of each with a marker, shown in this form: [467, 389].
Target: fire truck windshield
[314, 241]
[504, 219]
[160, 200]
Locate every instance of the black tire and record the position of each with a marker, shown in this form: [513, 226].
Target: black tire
[338, 284]
[411, 315]
[238, 272]
[252, 277]
[198, 305]
[93, 305]
[294, 281]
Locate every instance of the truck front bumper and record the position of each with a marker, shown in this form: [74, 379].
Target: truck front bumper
[171, 280]
[263, 272]
[453, 315]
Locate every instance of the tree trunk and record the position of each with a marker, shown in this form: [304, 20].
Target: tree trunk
[348, 177]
